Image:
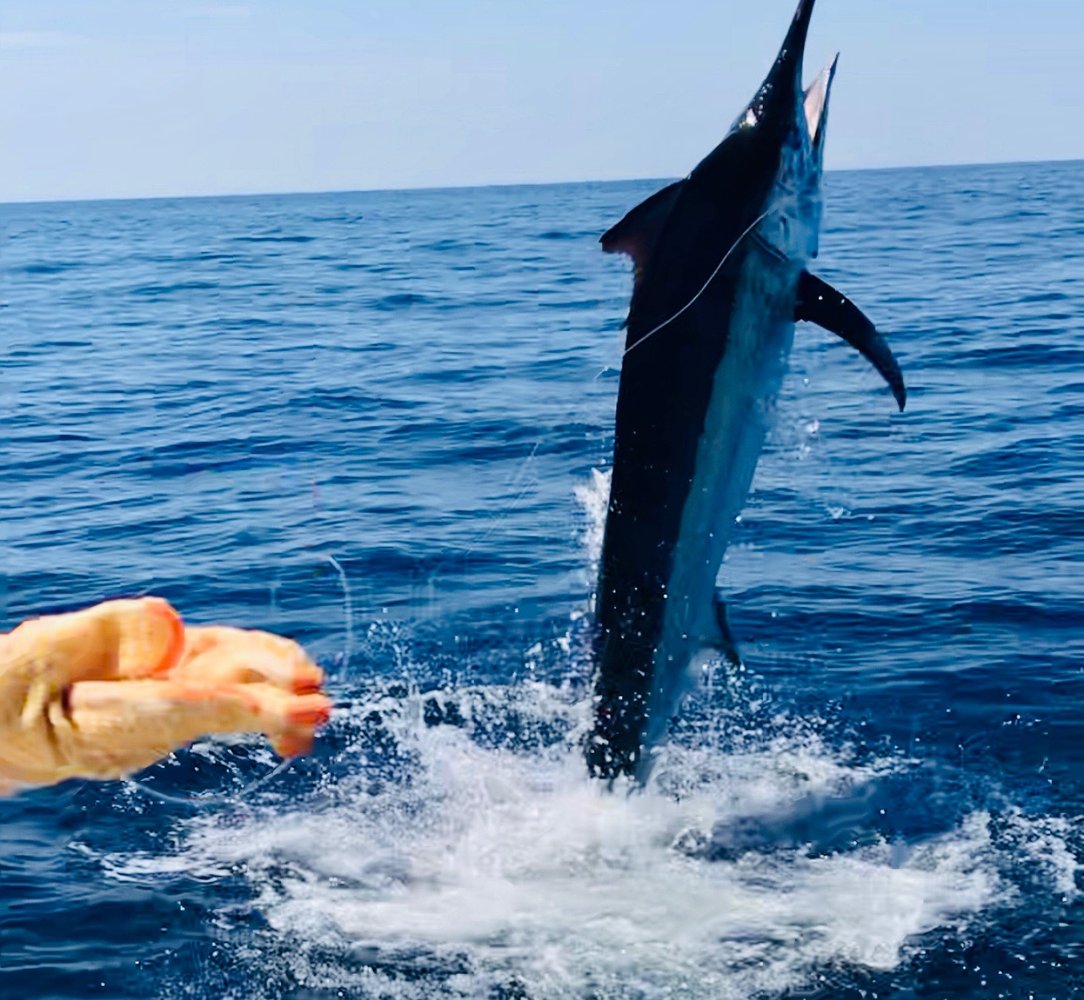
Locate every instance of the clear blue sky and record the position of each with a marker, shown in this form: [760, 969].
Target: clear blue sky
[127, 98]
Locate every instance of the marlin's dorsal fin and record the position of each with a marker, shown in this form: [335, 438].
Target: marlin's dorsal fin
[818, 302]
[638, 232]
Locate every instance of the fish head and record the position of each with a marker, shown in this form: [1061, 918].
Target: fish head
[772, 157]
[808, 169]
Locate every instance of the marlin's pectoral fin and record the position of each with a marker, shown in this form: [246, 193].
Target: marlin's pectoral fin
[638, 232]
[818, 302]
[724, 641]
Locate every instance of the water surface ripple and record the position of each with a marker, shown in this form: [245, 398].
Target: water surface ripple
[208, 398]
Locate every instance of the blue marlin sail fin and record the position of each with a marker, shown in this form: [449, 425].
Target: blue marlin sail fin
[818, 302]
[638, 232]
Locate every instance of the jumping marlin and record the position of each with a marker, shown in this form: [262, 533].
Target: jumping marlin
[719, 280]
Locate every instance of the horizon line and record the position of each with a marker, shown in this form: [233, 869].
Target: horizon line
[493, 184]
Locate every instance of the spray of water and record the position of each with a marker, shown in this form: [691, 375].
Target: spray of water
[482, 863]
[453, 847]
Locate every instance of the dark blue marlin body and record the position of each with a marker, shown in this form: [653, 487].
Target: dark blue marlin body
[720, 279]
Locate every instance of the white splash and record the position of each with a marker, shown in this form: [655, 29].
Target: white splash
[487, 870]
[594, 497]
[501, 867]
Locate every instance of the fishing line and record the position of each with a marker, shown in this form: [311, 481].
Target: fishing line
[688, 305]
[217, 799]
[520, 476]
[348, 607]
[204, 801]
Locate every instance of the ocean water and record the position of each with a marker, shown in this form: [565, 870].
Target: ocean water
[380, 422]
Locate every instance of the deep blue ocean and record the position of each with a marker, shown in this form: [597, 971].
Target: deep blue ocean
[380, 423]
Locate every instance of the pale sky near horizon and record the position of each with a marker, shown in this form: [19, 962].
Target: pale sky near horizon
[130, 98]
